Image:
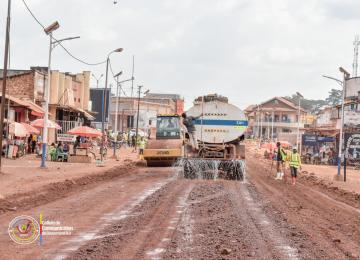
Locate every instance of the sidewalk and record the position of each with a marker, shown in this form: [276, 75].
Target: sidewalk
[24, 174]
[328, 173]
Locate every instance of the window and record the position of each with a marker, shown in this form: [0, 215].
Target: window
[168, 127]
[17, 116]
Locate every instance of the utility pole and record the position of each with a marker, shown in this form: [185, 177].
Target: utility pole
[132, 76]
[3, 93]
[272, 125]
[298, 141]
[116, 110]
[356, 55]
[137, 118]
[104, 103]
[346, 75]
[97, 79]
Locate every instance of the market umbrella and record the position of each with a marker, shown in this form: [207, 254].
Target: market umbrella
[285, 144]
[85, 131]
[18, 130]
[30, 129]
[269, 146]
[39, 123]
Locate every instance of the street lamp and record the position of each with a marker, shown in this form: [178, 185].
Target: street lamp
[104, 103]
[346, 75]
[138, 112]
[116, 110]
[97, 79]
[298, 141]
[53, 43]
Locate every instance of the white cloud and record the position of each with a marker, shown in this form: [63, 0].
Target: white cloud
[248, 50]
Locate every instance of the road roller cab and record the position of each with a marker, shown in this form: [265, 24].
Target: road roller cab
[165, 145]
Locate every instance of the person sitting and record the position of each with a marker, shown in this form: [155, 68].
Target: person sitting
[52, 152]
[66, 148]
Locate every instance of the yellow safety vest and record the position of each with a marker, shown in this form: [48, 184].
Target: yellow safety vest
[295, 160]
[142, 144]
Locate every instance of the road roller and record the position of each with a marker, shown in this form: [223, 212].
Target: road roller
[165, 145]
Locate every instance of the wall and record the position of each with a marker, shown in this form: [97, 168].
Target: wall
[21, 86]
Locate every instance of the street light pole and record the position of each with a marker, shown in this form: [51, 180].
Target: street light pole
[298, 141]
[116, 110]
[104, 104]
[3, 92]
[49, 31]
[137, 118]
[346, 75]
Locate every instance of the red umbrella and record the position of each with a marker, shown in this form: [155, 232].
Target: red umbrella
[285, 144]
[85, 131]
[269, 146]
[39, 123]
[30, 129]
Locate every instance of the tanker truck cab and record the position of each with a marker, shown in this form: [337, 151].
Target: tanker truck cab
[165, 144]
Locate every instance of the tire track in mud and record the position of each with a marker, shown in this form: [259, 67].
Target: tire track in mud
[329, 226]
[145, 232]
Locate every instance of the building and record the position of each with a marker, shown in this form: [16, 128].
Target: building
[159, 98]
[276, 118]
[96, 98]
[149, 107]
[68, 96]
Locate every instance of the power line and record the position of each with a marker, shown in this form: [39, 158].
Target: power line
[62, 46]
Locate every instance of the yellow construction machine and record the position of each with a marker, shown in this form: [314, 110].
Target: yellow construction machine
[165, 145]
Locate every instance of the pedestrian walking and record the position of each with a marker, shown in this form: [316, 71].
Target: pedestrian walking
[294, 163]
[280, 161]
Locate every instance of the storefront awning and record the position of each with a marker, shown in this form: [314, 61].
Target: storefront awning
[36, 110]
[86, 114]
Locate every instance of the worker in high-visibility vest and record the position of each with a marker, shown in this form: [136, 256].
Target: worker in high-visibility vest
[280, 164]
[142, 144]
[294, 163]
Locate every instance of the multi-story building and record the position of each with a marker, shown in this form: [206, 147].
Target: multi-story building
[68, 96]
[276, 118]
[149, 107]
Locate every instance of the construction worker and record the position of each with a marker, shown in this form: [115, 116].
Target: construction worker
[142, 144]
[294, 163]
[188, 122]
[280, 161]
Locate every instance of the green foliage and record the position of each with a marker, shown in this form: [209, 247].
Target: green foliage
[334, 97]
[314, 105]
[311, 105]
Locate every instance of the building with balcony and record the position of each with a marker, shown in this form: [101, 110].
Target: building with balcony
[276, 118]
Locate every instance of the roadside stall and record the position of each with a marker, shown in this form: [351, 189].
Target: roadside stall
[39, 124]
[83, 149]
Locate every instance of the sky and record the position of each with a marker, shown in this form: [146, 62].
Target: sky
[247, 50]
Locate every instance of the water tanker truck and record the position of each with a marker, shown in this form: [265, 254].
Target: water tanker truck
[215, 149]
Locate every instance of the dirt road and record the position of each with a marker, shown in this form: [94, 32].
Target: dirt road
[149, 213]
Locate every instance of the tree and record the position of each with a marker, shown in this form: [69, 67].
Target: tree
[334, 98]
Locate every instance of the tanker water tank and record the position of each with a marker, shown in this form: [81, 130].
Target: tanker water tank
[221, 122]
